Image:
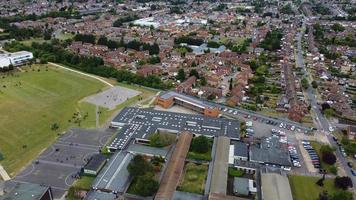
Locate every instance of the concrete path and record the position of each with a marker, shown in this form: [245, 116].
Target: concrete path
[82, 73]
[4, 174]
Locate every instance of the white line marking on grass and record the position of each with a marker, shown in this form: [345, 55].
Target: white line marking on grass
[82, 73]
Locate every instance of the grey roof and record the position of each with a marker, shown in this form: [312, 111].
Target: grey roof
[199, 102]
[240, 149]
[220, 166]
[114, 177]
[178, 195]
[241, 186]
[143, 149]
[271, 152]
[275, 187]
[95, 162]
[97, 195]
[141, 122]
[25, 191]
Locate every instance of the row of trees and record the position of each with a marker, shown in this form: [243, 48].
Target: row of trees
[120, 21]
[188, 40]
[49, 52]
[103, 40]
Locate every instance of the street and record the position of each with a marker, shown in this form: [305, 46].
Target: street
[322, 122]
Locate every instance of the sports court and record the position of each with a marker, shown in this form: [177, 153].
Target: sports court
[112, 97]
[60, 162]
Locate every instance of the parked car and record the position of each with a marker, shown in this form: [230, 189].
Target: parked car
[349, 164]
[353, 172]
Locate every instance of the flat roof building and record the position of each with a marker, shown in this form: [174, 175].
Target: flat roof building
[95, 164]
[28, 191]
[275, 187]
[220, 166]
[168, 99]
[140, 123]
[270, 152]
[15, 59]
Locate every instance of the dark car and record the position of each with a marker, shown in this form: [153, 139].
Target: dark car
[349, 164]
[353, 172]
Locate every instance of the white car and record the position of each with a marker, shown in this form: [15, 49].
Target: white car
[331, 129]
[292, 128]
[281, 125]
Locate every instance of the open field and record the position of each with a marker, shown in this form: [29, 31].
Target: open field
[304, 187]
[194, 178]
[36, 106]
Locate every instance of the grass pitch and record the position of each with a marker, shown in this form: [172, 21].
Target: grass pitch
[33, 101]
[305, 187]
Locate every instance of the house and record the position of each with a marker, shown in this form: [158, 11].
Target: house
[351, 132]
[95, 164]
[187, 85]
[149, 70]
[244, 186]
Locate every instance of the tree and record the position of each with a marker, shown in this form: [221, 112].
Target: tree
[202, 81]
[200, 144]
[325, 106]
[305, 83]
[211, 97]
[146, 185]
[323, 195]
[314, 84]
[329, 112]
[328, 158]
[181, 75]
[136, 166]
[230, 84]
[194, 72]
[343, 182]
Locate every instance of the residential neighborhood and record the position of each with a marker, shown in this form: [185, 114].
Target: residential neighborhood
[181, 99]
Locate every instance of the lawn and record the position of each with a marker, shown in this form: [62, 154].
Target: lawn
[194, 178]
[30, 41]
[84, 182]
[304, 187]
[199, 156]
[31, 102]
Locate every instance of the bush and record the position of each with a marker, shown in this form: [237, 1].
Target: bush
[326, 148]
[341, 195]
[328, 158]
[235, 172]
[200, 144]
[145, 185]
[161, 139]
[137, 164]
[343, 182]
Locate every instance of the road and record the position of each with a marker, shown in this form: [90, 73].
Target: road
[322, 122]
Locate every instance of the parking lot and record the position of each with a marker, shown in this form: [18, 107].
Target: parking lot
[60, 162]
[276, 122]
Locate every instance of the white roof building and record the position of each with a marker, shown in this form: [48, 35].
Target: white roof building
[16, 58]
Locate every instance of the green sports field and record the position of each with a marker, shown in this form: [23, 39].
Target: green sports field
[38, 104]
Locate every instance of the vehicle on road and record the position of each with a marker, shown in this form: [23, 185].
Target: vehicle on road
[353, 172]
[349, 164]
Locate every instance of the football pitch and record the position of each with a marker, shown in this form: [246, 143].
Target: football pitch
[36, 105]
